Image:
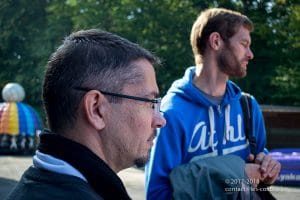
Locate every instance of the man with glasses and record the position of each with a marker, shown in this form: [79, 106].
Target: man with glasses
[101, 99]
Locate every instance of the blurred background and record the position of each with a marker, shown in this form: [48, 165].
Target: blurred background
[31, 30]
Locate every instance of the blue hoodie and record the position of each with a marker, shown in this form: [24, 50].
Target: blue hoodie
[197, 128]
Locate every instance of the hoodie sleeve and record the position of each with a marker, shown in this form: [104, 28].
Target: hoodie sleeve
[166, 154]
[258, 126]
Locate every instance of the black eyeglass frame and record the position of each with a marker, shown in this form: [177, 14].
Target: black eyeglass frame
[155, 101]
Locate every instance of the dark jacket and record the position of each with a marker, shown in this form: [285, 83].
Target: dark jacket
[40, 184]
[102, 181]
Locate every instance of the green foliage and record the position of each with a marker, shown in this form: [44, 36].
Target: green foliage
[163, 27]
[23, 47]
[31, 30]
[287, 72]
[275, 43]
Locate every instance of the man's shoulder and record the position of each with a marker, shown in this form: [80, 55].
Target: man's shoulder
[42, 184]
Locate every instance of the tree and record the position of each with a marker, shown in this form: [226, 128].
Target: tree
[273, 75]
[23, 47]
[287, 75]
[31, 30]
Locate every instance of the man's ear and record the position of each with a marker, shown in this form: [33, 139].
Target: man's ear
[215, 41]
[93, 107]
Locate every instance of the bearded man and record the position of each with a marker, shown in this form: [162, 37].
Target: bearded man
[203, 110]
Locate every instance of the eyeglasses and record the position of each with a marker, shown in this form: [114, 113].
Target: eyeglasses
[155, 102]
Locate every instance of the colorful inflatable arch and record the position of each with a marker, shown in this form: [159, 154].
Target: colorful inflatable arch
[19, 124]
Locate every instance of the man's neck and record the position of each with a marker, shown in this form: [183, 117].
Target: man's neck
[210, 80]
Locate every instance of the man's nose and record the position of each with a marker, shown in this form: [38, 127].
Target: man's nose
[250, 54]
[159, 121]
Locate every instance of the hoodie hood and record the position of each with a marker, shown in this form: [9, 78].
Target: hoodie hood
[185, 88]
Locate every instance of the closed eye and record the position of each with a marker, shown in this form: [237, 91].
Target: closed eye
[245, 44]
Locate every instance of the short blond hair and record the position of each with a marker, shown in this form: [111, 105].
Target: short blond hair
[225, 22]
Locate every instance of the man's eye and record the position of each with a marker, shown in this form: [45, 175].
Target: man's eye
[245, 44]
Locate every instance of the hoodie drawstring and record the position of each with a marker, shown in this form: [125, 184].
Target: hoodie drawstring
[212, 127]
[227, 123]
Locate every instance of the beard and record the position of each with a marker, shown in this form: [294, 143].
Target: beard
[141, 162]
[229, 63]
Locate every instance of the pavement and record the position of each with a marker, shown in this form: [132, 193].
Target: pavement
[12, 168]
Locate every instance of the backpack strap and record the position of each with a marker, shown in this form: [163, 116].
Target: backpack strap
[246, 104]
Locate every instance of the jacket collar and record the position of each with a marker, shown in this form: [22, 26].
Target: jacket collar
[98, 174]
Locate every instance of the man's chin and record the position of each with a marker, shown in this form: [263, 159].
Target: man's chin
[240, 74]
[243, 73]
[141, 162]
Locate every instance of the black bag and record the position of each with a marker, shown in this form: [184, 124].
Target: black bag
[246, 104]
